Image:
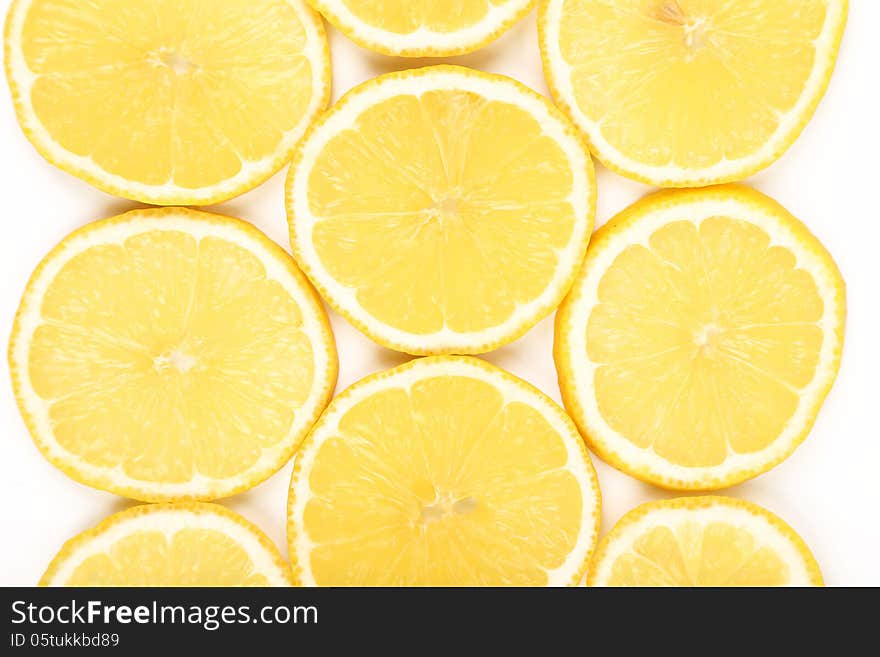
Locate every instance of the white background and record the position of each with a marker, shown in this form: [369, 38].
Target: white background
[829, 490]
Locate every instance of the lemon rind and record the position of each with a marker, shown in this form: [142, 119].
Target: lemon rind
[497, 21]
[514, 389]
[252, 173]
[774, 532]
[278, 265]
[168, 519]
[496, 87]
[575, 370]
[726, 171]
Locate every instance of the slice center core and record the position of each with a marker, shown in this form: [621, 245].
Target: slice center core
[176, 359]
[706, 338]
[176, 62]
[695, 28]
[446, 207]
[445, 507]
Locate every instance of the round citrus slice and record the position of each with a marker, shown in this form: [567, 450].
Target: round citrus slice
[701, 337]
[703, 541]
[181, 544]
[683, 93]
[167, 101]
[442, 210]
[168, 353]
[446, 471]
[423, 28]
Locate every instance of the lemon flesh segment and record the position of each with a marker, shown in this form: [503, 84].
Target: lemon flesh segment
[167, 102]
[703, 335]
[446, 472]
[170, 353]
[423, 28]
[688, 92]
[703, 541]
[182, 544]
[442, 210]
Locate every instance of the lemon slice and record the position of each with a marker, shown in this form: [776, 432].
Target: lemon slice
[701, 338]
[445, 471]
[442, 210]
[703, 541]
[682, 93]
[167, 101]
[168, 353]
[181, 544]
[423, 28]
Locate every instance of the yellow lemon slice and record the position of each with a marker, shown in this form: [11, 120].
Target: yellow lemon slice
[682, 93]
[423, 28]
[445, 471]
[182, 544]
[703, 541]
[168, 353]
[701, 337]
[167, 101]
[442, 210]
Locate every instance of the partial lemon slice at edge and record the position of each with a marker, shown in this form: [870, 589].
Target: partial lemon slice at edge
[703, 541]
[672, 39]
[182, 544]
[396, 28]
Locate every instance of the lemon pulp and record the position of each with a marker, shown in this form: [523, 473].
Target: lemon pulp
[190, 557]
[703, 338]
[695, 554]
[432, 219]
